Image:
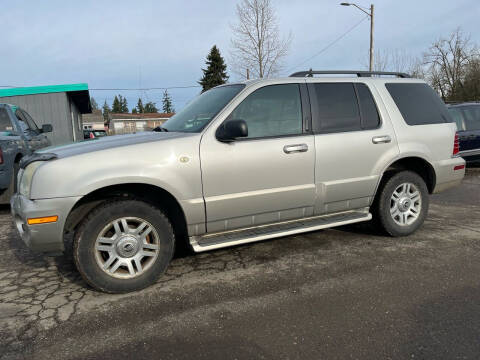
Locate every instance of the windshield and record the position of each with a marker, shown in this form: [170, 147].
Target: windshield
[201, 110]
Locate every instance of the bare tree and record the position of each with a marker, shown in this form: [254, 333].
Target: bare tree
[256, 42]
[448, 60]
[397, 60]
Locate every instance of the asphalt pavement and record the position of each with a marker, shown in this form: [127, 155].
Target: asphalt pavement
[344, 293]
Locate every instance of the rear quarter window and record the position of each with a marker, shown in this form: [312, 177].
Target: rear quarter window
[418, 103]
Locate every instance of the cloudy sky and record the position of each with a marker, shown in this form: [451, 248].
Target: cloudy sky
[163, 43]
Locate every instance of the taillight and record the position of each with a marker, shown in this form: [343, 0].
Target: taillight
[92, 136]
[456, 145]
[1, 156]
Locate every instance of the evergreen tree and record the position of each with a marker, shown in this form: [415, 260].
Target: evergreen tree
[106, 110]
[167, 103]
[151, 107]
[116, 105]
[216, 71]
[140, 108]
[93, 103]
[134, 111]
[124, 104]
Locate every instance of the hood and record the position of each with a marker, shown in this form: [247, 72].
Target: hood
[109, 142]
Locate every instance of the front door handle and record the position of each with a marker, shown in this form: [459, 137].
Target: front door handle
[289, 149]
[381, 139]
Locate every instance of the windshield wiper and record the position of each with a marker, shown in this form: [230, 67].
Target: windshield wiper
[160, 129]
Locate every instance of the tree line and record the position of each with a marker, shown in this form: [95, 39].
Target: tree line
[120, 105]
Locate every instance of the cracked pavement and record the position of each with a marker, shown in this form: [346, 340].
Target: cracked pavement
[321, 294]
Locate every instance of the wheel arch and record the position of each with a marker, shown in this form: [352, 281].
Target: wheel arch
[416, 164]
[151, 194]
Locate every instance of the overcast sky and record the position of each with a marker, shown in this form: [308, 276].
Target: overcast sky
[152, 43]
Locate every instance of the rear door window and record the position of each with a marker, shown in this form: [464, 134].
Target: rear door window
[418, 103]
[5, 123]
[341, 107]
[472, 117]
[337, 107]
[368, 108]
[457, 116]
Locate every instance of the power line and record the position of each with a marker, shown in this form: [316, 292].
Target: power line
[329, 45]
[144, 89]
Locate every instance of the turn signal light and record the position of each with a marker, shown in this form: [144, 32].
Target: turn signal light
[42, 220]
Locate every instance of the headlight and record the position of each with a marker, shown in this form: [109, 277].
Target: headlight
[26, 178]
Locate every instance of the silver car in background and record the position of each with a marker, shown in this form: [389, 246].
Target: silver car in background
[242, 162]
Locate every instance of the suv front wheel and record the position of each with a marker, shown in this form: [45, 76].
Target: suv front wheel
[123, 246]
[402, 204]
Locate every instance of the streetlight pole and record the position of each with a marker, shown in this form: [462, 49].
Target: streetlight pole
[371, 14]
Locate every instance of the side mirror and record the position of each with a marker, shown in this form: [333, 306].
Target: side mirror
[232, 129]
[47, 128]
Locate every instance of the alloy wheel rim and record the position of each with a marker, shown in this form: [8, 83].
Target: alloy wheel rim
[127, 247]
[405, 204]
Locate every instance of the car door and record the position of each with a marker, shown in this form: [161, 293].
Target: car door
[268, 176]
[353, 144]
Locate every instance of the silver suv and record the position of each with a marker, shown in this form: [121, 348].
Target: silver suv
[241, 163]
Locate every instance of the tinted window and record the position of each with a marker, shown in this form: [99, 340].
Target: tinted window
[337, 107]
[370, 117]
[5, 124]
[457, 116]
[472, 117]
[418, 103]
[201, 110]
[273, 110]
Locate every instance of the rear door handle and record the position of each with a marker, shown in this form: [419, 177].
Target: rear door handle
[289, 149]
[381, 139]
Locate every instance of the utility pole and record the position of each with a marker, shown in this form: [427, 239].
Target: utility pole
[248, 74]
[371, 14]
[371, 37]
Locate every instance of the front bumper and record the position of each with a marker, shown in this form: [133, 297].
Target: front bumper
[446, 175]
[47, 238]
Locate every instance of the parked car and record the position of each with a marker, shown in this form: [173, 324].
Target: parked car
[19, 136]
[93, 134]
[273, 158]
[467, 118]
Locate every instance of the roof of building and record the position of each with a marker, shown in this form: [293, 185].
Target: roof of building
[127, 116]
[95, 117]
[77, 92]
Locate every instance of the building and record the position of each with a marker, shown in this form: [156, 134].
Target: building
[59, 105]
[121, 123]
[93, 121]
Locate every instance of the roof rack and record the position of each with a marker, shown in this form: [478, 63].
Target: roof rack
[310, 73]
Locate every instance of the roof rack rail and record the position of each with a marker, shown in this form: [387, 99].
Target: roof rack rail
[310, 73]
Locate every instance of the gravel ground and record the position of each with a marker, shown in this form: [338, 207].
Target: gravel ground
[340, 293]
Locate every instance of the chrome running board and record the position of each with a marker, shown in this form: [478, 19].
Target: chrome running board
[270, 231]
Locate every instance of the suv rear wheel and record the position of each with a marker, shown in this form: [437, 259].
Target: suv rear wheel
[402, 204]
[123, 245]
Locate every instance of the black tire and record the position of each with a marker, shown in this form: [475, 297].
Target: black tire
[383, 202]
[85, 255]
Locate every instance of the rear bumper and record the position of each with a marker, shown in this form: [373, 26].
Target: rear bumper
[47, 238]
[449, 173]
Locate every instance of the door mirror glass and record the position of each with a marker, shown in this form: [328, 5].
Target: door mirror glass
[47, 128]
[232, 129]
